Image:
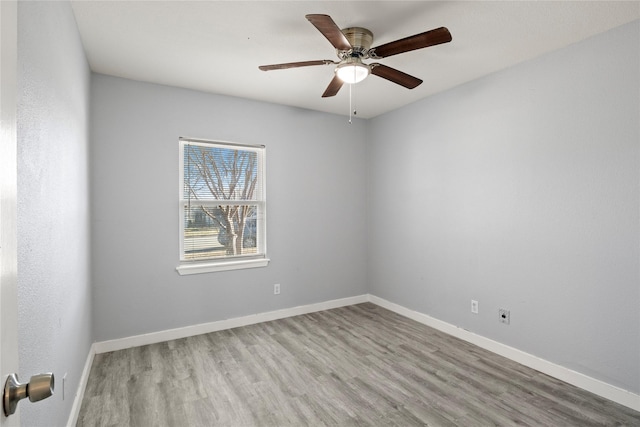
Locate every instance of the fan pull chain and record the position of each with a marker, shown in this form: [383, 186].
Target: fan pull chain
[350, 104]
[352, 109]
[354, 101]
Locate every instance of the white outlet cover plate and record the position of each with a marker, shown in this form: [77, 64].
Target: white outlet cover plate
[474, 306]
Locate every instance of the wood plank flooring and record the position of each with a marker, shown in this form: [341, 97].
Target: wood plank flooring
[353, 366]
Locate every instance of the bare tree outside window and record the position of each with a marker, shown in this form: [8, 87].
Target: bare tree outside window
[221, 208]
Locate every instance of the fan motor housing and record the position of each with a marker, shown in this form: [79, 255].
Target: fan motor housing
[360, 40]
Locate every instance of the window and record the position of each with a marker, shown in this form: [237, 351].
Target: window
[222, 206]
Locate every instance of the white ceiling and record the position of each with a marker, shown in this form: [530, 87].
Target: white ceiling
[217, 46]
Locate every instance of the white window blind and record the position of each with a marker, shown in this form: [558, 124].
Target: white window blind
[222, 202]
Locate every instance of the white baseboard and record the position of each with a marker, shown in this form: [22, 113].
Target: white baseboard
[577, 379]
[205, 328]
[77, 400]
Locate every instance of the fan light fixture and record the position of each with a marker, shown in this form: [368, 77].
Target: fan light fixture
[352, 70]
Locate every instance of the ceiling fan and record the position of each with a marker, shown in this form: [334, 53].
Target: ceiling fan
[354, 44]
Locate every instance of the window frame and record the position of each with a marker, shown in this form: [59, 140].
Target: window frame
[224, 263]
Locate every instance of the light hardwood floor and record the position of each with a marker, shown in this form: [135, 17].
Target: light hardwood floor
[360, 365]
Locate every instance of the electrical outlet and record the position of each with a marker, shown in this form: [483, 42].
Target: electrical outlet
[474, 306]
[276, 289]
[504, 316]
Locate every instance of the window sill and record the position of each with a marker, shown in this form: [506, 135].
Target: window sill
[212, 267]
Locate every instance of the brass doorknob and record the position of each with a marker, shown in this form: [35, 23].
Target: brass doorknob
[39, 387]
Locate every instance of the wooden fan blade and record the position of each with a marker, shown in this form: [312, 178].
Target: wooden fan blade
[330, 30]
[395, 76]
[295, 65]
[333, 87]
[418, 41]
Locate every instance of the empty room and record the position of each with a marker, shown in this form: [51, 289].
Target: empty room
[320, 213]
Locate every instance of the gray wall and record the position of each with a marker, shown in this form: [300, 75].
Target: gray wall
[54, 293]
[315, 207]
[521, 190]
